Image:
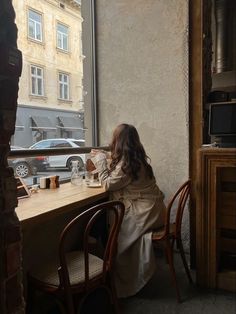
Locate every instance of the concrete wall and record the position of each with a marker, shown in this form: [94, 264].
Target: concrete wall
[142, 49]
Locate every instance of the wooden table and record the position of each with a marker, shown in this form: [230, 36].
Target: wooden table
[47, 203]
[45, 214]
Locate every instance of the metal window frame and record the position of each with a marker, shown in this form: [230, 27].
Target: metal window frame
[94, 76]
[52, 151]
[90, 67]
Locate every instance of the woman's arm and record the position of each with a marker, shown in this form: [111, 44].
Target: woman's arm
[112, 181]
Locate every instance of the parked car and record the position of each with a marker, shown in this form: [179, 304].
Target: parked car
[26, 166]
[62, 161]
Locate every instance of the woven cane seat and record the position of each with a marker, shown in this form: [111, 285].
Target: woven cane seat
[75, 262]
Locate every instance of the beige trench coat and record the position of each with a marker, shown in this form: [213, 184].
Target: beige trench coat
[144, 210]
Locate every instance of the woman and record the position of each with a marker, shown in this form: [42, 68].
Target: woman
[130, 178]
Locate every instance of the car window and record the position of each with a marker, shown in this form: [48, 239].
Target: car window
[78, 143]
[60, 143]
[46, 144]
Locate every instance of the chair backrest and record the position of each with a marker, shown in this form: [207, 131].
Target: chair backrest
[179, 201]
[87, 220]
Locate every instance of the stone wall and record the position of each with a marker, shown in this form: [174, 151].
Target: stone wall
[11, 300]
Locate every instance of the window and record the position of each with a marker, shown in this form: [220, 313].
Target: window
[62, 92]
[36, 80]
[41, 145]
[35, 25]
[64, 86]
[62, 37]
[61, 144]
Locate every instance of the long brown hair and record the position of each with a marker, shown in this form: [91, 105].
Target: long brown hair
[126, 145]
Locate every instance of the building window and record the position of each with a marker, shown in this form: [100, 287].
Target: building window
[62, 37]
[36, 80]
[63, 86]
[35, 25]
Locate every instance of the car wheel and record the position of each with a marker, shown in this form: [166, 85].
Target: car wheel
[80, 163]
[22, 170]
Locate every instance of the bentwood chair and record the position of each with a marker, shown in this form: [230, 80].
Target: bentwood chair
[73, 275]
[171, 232]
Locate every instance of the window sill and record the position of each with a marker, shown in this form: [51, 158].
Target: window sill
[40, 42]
[60, 50]
[68, 101]
[31, 96]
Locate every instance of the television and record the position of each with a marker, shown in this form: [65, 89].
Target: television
[222, 123]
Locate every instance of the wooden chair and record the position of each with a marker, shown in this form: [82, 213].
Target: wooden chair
[73, 275]
[171, 232]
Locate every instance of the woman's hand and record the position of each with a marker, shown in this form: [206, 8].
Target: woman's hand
[95, 152]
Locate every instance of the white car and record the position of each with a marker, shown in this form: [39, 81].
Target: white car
[62, 161]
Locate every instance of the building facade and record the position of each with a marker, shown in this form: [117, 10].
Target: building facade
[50, 102]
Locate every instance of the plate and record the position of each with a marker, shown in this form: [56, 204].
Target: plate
[94, 185]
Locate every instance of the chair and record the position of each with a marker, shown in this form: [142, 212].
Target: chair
[75, 274]
[170, 233]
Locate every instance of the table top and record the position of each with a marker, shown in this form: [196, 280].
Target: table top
[49, 203]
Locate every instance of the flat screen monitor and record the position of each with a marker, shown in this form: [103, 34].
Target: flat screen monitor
[222, 119]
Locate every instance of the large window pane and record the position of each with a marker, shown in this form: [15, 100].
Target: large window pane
[58, 77]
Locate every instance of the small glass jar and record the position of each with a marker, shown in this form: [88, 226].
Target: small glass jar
[76, 178]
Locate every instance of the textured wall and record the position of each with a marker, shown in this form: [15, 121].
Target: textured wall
[11, 290]
[143, 79]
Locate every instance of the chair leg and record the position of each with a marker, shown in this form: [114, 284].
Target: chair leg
[181, 249]
[114, 296]
[29, 299]
[169, 253]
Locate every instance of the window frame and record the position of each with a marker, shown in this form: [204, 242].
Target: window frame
[91, 117]
[61, 33]
[90, 83]
[36, 76]
[35, 23]
[64, 84]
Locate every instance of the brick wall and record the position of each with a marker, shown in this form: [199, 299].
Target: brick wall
[11, 291]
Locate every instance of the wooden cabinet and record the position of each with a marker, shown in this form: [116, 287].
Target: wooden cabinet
[216, 218]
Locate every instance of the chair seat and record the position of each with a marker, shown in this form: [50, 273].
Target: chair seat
[48, 274]
[159, 233]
